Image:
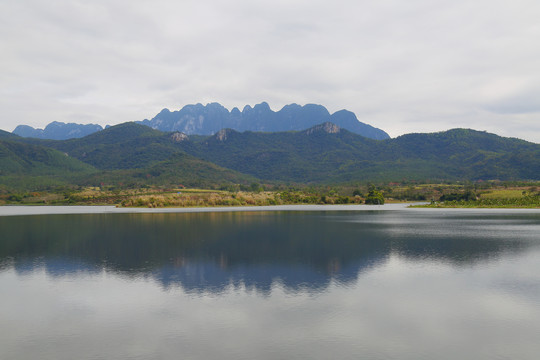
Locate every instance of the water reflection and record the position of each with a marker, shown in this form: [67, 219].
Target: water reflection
[208, 252]
[370, 285]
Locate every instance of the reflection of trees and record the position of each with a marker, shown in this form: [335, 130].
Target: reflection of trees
[209, 251]
[464, 238]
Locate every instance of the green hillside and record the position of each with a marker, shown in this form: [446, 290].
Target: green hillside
[7, 135]
[318, 155]
[138, 155]
[123, 146]
[125, 155]
[179, 169]
[307, 156]
[26, 159]
[26, 166]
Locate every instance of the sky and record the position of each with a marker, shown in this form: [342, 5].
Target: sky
[402, 66]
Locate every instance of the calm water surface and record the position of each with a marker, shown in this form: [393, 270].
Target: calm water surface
[401, 284]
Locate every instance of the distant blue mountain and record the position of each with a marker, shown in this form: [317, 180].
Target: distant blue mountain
[209, 119]
[57, 131]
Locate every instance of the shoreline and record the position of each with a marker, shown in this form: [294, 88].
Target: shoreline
[21, 210]
[27, 210]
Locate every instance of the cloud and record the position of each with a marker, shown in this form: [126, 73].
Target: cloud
[402, 66]
[522, 102]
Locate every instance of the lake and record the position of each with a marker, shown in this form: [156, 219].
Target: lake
[294, 283]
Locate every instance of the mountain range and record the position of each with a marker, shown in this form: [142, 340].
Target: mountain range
[209, 119]
[57, 131]
[135, 154]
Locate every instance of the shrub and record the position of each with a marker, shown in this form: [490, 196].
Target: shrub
[374, 198]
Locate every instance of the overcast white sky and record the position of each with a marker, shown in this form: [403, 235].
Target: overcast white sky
[400, 65]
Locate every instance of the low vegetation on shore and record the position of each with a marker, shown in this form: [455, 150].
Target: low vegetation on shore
[157, 198]
[489, 194]
[521, 197]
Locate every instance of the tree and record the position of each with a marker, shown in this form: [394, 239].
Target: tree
[374, 197]
[357, 192]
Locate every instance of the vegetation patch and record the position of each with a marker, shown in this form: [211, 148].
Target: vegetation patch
[517, 197]
[492, 194]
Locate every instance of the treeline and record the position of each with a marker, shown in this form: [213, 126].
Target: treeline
[255, 193]
[504, 197]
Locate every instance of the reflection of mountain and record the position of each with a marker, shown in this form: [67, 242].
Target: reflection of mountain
[211, 251]
[200, 277]
[55, 267]
[211, 277]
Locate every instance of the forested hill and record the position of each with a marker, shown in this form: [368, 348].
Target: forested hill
[125, 155]
[322, 154]
[27, 160]
[330, 154]
[7, 135]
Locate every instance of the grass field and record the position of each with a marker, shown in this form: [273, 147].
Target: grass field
[505, 193]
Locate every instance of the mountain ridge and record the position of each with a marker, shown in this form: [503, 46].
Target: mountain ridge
[319, 155]
[323, 154]
[57, 131]
[198, 119]
[209, 119]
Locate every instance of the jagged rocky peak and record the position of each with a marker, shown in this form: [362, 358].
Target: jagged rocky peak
[210, 118]
[262, 107]
[327, 127]
[215, 105]
[179, 137]
[315, 110]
